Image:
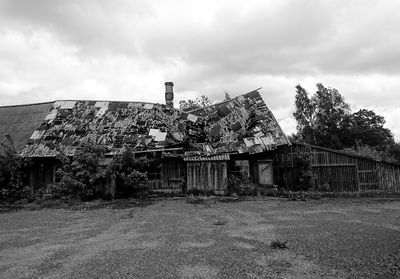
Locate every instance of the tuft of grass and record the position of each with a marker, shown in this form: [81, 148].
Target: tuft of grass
[277, 244]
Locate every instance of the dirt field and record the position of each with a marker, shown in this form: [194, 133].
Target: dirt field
[172, 239]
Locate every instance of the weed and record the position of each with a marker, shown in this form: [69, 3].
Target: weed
[277, 244]
[219, 222]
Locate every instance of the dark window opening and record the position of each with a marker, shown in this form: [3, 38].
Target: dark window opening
[154, 173]
[241, 168]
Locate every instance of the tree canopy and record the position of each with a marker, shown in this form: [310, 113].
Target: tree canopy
[320, 118]
[325, 119]
[189, 105]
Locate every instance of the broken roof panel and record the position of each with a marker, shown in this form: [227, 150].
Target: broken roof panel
[240, 125]
[68, 105]
[243, 124]
[111, 123]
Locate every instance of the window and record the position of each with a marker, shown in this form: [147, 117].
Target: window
[242, 166]
[154, 173]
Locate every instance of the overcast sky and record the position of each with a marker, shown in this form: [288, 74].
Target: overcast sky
[127, 49]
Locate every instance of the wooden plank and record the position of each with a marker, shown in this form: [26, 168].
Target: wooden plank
[333, 165]
[358, 178]
[367, 171]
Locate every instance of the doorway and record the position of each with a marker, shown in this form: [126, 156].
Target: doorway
[265, 173]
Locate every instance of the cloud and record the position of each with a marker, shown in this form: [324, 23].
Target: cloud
[125, 50]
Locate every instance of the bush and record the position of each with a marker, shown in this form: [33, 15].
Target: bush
[324, 187]
[131, 173]
[240, 184]
[80, 174]
[305, 178]
[269, 192]
[12, 173]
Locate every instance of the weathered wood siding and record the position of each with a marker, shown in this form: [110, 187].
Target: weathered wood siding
[173, 171]
[41, 174]
[207, 175]
[343, 172]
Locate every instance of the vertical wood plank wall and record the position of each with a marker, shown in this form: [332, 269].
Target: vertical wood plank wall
[41, 174]
[173, 170]
[207, 175]
[343, 172]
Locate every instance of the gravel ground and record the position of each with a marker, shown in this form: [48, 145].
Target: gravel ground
[172, 239]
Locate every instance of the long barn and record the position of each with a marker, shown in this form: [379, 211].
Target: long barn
[341, 171]
[198, 150]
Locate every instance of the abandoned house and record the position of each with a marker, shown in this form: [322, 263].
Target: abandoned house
[202, 147]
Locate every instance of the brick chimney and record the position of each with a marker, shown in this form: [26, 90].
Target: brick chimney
[169, 94]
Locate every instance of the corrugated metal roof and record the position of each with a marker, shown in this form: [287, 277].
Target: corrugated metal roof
[223, 157]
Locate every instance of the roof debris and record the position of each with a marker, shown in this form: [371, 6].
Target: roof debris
[240, 125]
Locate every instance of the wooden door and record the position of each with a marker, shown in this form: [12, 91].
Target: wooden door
[265, 173]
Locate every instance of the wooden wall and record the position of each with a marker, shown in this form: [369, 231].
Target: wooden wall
[173, 171]
[41, 173]
[343, 172]
[207, 176]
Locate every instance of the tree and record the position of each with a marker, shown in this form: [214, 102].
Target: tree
[305, 116]
[325, 119]
[320, 118]
[394, 150]
[365, 127]
[227, 96]
[198, 103]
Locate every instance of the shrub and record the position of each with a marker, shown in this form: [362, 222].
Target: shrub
[305, 178]
[79, 174]
[12, 173]
[325, 187]
[131, 173]
[240, 184]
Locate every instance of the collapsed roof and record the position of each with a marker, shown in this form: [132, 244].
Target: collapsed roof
[243, 124]
[71, 124]
[240, 125]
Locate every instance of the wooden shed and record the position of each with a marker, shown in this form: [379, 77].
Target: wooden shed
[207, 173]
[343, 172]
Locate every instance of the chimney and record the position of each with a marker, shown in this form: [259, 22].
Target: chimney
[169, 94]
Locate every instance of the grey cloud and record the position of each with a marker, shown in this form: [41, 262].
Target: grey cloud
[303, 37]
[298, 37]
[93, 26]
[276, 44]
